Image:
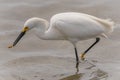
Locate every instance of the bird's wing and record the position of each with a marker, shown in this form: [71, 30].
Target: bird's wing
[79, 28]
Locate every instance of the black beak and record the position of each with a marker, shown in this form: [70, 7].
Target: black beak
[19, 37]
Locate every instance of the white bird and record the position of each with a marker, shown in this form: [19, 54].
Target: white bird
[71, 26]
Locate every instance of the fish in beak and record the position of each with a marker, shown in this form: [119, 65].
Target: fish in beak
[20, 36]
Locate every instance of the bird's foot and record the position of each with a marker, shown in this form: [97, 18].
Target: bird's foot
[82, 56]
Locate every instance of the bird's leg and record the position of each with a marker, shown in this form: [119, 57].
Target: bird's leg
[77, 59]
[83, 55]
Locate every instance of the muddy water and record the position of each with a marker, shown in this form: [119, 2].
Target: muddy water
[35, 59]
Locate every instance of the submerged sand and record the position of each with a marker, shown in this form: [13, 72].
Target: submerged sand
[35, 59]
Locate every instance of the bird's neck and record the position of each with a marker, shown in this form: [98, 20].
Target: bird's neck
[42, 35]
[46, 32]
[40, 31]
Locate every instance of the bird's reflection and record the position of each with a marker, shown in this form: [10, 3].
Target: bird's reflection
[73, 77]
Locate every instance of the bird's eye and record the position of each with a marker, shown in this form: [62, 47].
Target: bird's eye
[26, 28]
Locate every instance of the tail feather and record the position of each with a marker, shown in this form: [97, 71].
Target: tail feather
[108, 23]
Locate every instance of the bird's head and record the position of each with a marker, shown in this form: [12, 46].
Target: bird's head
[29, 24]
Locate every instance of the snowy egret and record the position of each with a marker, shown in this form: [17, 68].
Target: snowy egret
[71, 26]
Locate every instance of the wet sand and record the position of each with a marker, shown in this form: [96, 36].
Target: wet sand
[35, 59]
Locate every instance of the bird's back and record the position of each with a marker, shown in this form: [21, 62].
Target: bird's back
[79, 25]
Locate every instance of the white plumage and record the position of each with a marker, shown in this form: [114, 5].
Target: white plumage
[69, 26]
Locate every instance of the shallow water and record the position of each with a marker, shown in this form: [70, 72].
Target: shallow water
[35, 59]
